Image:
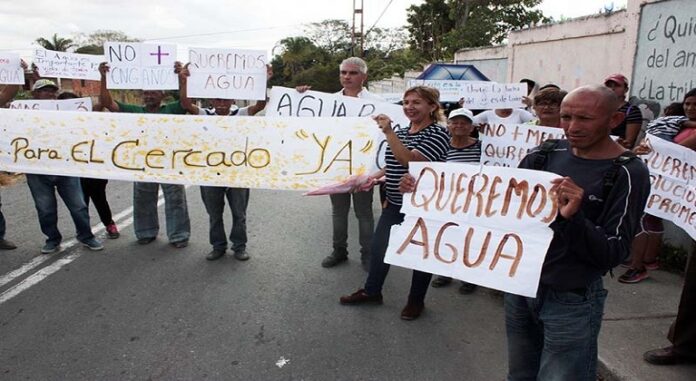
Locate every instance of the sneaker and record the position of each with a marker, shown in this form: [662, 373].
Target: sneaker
[361, 297]
[467, 288]
[412, 311]
[7, 245]
[441, 281]
[633, 276]
[50, 248]
[336, 257]
[112, 231]
[215, 254]
[654, 265]
[93, 244]
[241, 255]
[145, 241]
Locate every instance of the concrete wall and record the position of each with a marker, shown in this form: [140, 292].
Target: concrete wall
[491, 61]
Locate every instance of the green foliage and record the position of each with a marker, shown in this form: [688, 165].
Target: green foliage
[56, 43]
[93, 43]
[439, 28]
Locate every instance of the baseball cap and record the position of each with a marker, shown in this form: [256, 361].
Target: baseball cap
[617, 78]
[42, 83]
[465, 112]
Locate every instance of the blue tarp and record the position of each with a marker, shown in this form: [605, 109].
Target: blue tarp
[453, 72]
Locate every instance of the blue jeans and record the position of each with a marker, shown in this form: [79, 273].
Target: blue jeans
[554, 336]
[362, 205]
[214, 201]
[391, 215]
[2, 222]
[43, 189]
[145, 218]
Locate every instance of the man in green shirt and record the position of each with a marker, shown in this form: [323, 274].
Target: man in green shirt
[145, 220]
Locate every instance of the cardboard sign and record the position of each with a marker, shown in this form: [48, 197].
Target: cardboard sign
[246, 152]
[75, 104]
[673, 183]
[227, 73]
[135, 65]
[484, 225]
[477, 95]
[67, 65]
[11, 72]
[506, 145]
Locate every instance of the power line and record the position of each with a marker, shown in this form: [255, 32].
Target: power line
[379, 18]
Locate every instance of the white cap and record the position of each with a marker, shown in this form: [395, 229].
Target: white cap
[465, 112]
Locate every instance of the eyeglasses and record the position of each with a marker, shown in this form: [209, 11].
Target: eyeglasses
[547, 105]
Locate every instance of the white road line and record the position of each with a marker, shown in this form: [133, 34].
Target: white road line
[57, 265]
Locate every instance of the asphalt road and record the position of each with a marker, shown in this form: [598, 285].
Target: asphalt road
[154, 312]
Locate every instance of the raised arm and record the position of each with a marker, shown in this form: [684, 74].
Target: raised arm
[185, 101]
[105, 99]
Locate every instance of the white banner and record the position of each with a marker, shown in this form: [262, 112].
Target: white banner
[477, 95]
[285, 101]
[249, 152]
[505, 145]
[141, 66]
[11, 72]
[67, 65]
[74, 104]
[227, 73]
[673, 183]
[483, 225]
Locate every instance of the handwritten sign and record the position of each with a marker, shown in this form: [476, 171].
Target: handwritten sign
[227, 73]
[478, 95]
[75, 104]
[484, 225]
[506, 145]
[67, 65]
[247, 152]
[673, 183]
[666, 56]
[11, 72]
[284, 101]
[141, 66]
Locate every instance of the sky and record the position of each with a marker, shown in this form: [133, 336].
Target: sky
[259, 24]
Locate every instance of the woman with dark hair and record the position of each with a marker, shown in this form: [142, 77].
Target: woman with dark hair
[423, 140]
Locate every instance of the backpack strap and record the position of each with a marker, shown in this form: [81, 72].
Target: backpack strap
[609, 179]
[544, 150]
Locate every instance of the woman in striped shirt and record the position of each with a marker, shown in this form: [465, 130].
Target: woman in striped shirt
[423, 140]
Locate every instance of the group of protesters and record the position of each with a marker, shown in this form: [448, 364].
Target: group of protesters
[552, 336]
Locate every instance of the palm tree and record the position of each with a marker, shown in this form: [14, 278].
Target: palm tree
[56, 43]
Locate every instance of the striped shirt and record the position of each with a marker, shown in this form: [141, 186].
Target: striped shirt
[666, 127]
[432, 142]
[469, 154]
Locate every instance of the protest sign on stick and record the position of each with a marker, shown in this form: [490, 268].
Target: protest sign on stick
[484, 225]
[245, 152]
[227, 73]
[135, 65]
[673, 183]
[11, 72]
[67, 65]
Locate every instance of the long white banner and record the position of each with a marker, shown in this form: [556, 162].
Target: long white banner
[253, 152]
[673, 183]
[484, 225]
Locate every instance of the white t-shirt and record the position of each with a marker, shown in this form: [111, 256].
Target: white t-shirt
[518, 116]
[244, 111]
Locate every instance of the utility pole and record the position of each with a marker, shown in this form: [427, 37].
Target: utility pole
[357, 37]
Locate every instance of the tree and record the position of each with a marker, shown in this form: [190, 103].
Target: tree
[56, 43]
[93, 43]
[441, 27]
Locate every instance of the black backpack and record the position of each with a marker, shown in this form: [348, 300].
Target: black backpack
[609, 179]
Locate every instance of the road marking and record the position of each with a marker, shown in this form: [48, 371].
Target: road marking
[57, 265]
